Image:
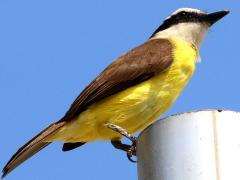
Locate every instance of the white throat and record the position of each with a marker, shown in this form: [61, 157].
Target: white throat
[190, 32]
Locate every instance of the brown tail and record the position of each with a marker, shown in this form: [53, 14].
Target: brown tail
[31, 147]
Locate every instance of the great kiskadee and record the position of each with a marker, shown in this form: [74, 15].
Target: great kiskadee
[133, 91]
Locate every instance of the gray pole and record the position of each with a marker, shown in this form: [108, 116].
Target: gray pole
[203, 145]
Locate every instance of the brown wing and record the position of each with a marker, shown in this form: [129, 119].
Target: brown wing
[134, 67]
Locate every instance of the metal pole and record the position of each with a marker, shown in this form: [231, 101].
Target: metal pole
[202, 145]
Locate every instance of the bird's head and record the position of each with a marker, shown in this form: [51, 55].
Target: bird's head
[188, 24]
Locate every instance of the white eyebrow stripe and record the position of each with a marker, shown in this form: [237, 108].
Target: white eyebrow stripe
[186, 10]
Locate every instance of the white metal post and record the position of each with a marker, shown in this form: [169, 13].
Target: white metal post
[202, 145]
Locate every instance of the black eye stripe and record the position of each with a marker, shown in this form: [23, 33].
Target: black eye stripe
[180, 17]
[185, 16]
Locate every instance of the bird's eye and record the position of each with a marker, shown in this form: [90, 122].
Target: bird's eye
[184, 13]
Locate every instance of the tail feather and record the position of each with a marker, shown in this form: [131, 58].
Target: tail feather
[31, 147]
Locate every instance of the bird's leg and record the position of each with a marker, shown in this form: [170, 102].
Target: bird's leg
[130, 149]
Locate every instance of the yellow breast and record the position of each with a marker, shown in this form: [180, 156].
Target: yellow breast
[134, 108]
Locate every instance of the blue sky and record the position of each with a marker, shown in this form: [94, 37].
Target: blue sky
[51, 49]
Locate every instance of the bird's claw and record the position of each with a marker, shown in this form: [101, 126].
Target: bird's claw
[132, 150]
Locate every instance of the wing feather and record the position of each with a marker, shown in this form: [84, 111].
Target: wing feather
[132, 68]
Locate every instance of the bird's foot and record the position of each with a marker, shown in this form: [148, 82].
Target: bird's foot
[130, 149]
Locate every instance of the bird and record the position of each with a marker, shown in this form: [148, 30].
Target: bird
[133, 91]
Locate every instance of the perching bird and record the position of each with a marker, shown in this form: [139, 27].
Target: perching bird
[133, 91]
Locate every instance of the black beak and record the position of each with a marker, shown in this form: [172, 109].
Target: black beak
[214, 17]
